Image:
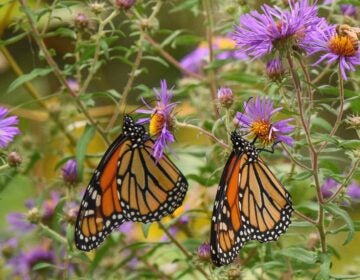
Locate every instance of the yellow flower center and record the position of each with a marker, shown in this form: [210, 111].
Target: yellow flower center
[261, 129]
[157, 122]
[342, 45]
[225, 43]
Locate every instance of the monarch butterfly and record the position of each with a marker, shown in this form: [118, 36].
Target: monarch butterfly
[128, 184]
[250, 204]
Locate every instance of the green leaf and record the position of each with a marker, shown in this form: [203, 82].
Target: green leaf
[299, 254]
[157, 59]
[37, 72]
[81, 147]
[322, 123]
[145, 229]
[337, 211]
[324, 273]
[63, 32]
[186, 40]
[350, 144]
[41, 265]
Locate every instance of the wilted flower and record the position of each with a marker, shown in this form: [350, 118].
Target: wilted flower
[274, 29]
[14, 159]
[225, 97]
[124, 4]
[257, 120]
[203, 251]
[8, 127]
[275, 69]
[334, 48]
[224, 47]
[161, 119]
[69, 171]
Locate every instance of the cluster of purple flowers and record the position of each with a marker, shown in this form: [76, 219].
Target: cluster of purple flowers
[275, 30]
[330, 186]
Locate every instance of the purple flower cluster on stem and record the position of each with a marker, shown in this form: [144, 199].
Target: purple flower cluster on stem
[259, 34]
[160, 119]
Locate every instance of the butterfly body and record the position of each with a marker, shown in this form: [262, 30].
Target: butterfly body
[250, 204]
[128, 185]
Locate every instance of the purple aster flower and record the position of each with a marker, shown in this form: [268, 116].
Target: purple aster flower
[274, 29]
[8, 247]
[24, 262]
[19, 222]
[348, 10]
[257, 120]
[353, 191]
[161, 119]
[8, 127]
[329, 187]
[275, 69]
[334, 48]
[203, 251]
[69, 171]
[49, 205]
[224, 47]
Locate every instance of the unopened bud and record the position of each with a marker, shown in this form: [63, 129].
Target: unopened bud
[81, 21]
[97, 8]
[124, 4]
[203, 251]
[33, 215]
[225, 97]
[14, 159]
[275, 70]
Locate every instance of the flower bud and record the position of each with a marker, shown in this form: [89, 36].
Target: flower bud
[203, 252]
[14, 159]
[124, 4]
[353, 121]
[69, 172]
[81, 21]
[225, 97]
[97, 8]
[275, 70]
[33, 215]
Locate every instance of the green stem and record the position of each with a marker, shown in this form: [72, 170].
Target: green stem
[120, 108]
[5, 166]
[56, 70]
[211, 73]
[341, 110]
[313, 153]
[182, 249]
[53, 234]
[346, 181]
[205, 132]
[97, 52]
